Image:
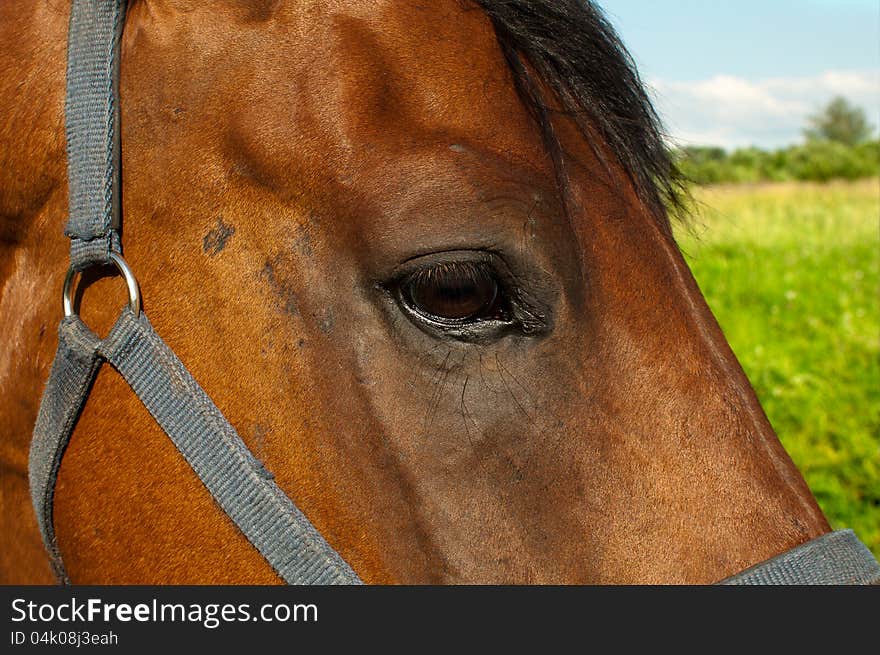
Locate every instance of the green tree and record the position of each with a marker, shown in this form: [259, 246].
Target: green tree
[839, 121]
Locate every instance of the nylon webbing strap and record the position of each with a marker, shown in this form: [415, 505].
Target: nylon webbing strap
[91, 118]
[836, 558]
[239, 483]
[73, 371]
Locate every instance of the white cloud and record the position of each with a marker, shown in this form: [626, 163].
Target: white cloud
[733, 111]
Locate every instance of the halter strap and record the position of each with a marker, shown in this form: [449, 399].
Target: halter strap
[241, 485]
[834, 558]
[243, 488]
[91, 118]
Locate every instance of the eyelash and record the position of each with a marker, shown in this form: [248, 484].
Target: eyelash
[459, 276]
[510, 311]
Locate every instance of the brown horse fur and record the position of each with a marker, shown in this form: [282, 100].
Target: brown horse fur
[281, 160]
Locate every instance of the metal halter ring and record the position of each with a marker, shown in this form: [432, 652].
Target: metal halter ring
[134, 294]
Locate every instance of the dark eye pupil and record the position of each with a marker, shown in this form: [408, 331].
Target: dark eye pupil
[453, 292]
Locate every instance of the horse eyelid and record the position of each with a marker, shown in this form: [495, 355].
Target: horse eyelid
[522, 316]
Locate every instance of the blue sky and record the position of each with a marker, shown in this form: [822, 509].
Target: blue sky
[749, 72]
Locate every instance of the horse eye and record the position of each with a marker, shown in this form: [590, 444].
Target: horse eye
[454, 293]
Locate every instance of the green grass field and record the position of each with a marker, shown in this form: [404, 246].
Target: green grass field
[792, 272]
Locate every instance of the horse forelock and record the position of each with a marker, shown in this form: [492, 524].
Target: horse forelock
[580, 60]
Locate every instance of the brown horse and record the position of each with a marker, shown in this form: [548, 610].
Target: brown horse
[419, 255]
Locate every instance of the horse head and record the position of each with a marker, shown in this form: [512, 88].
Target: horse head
[420, 255]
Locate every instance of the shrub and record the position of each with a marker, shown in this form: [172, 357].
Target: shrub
[815, 161]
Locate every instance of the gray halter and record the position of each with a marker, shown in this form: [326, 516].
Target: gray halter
[240, 484]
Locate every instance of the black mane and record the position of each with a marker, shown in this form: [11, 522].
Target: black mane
[579, 57]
